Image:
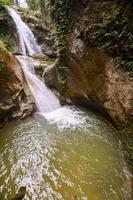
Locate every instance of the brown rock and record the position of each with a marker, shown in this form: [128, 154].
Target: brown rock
[20, 195]
[15, 98]
[93, 78]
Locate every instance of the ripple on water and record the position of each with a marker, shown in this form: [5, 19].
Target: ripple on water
[62, 155]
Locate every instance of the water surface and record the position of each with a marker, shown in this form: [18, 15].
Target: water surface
[55, 158]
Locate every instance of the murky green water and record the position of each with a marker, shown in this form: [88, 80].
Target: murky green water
[55, 163]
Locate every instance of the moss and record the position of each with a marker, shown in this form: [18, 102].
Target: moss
[3, 50]
[6, 40]
[61, 76]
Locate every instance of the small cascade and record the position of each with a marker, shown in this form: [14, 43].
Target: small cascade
[45, 99]
[28, 44]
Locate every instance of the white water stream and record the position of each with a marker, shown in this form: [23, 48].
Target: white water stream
[28, 44]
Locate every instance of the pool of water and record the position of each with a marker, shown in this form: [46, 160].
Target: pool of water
[67, 153]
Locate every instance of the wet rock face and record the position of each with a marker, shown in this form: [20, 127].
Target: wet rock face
[50, 76]
[15, 98]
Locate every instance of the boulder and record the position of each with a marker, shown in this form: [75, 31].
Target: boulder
[50, 76]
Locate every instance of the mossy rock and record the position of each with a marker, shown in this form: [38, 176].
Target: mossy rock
[10, 38]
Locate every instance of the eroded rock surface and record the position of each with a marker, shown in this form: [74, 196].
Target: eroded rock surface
[93, 79]
[15, 98]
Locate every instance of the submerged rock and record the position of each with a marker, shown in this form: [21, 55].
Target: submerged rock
[20, 195]
[74, 198]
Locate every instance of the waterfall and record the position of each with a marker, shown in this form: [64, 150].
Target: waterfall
[28, 44]
[45, 99]
[21, 3]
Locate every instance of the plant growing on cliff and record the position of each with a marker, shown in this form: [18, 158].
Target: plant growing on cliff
[5, 2]
[60, 11]
[61, 15]
[113, 32]
[127, 65]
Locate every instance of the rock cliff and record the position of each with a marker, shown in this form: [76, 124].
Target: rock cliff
[95, 37]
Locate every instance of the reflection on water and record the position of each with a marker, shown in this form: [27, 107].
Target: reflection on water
[56, 163]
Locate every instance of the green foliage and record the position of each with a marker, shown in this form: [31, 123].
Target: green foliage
[125, 64]
[6, 40]
[5, 2]
[113, 33]
[61, 76]
[61, 14]
[3, 49]
[60, 11]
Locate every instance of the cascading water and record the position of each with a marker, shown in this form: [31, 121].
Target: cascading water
[28, 44]
[45, 99]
